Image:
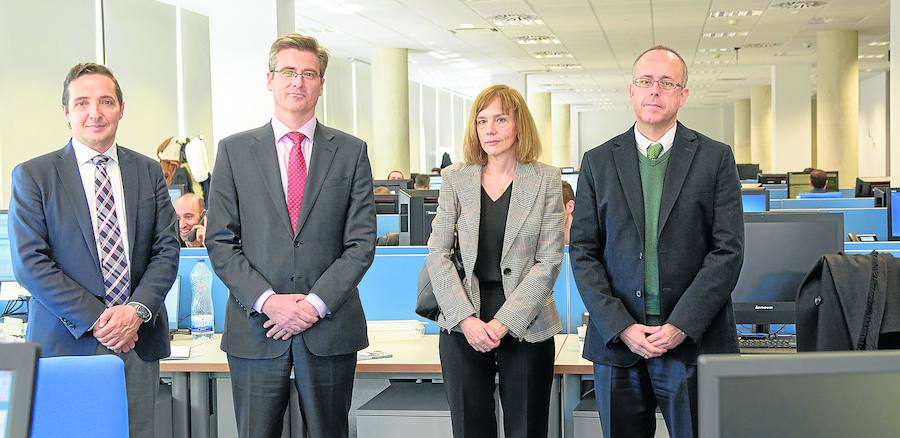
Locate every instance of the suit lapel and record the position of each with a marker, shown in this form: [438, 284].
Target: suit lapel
[522, 200]
[323, 152]
[67, 169]
[626, 162]
[267, 160]
[676, 171]
[131, 187]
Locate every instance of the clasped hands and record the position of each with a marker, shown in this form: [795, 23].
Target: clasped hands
[289, 314]
[651, 341]
[483, 336]
[117, 328]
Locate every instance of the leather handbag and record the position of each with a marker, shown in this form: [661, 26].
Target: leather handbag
[426, 302]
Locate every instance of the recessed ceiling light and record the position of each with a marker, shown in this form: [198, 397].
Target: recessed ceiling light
[879, 56]
[564, 66]
[501, 20]
[714, 50]
[799, 4]
[725, 34]
[536, 39]
[466, 26]
[729, 14]
[551, 54]
[879, 43]
[759, 45]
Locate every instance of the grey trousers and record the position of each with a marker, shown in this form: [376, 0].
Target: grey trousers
[141, 387]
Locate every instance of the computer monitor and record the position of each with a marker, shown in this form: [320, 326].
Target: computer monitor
[386, 204]
[772, 178]
[893, 204]
[822, 394]
[748, 171]
[865, 184]
[435, 182]
[173, 298]
[755, 200]
[780, 248]
[394, 185]
[175, 192]
[798, 182]
[417, 210]
[18, 369]
[881, 196]
[572, 179]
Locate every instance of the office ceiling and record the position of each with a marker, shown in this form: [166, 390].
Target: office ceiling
[582, 50]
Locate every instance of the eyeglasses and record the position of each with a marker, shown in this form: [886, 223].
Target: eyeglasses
[665, 84]
[291, 74]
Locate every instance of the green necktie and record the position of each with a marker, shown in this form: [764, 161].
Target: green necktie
[654, 150]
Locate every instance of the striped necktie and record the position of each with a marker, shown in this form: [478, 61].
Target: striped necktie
[654, 150]
[113, 263]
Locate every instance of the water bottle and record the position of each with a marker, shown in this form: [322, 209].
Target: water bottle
[201, 306]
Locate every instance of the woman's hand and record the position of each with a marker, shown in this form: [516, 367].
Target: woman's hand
[481, 337]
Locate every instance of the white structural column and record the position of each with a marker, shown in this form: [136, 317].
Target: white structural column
[837, 88]
[539, 105]
[761, 127]
[390, 112]
[562, 133]
[791, 118]
[894, 146]
[742, 131]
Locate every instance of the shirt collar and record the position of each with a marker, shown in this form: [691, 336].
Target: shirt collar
[667, 140]
[84, 154]
[308, 129]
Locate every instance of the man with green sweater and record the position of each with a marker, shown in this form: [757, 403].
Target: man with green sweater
[656, 249]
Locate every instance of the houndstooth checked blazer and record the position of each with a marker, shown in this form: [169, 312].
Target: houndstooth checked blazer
[531, 257]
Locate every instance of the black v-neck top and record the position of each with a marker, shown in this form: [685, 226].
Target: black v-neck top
[491, 230]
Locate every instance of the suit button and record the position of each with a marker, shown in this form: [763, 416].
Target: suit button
[637, 293]
[296, 244]
[641, 256]
[507, 271]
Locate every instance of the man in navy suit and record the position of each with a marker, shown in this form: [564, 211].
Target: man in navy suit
[656, 248]
[91, 229]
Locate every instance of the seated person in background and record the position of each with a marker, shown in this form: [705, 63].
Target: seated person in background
[395, 174]
[818, 179]
[568, 207]
[422, 182]
[435, 171]
[191, 220]
[382, 190]
[389, 239]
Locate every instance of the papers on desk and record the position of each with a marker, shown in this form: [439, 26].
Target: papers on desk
[180, 352]
[372, 354]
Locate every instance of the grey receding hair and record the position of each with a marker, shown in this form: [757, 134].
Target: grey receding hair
[684, 69]
[303, 43]
[88, 68]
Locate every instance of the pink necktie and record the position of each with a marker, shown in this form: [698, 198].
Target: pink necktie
[296, 178]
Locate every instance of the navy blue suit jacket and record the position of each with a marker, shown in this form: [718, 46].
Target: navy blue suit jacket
[54, 254]
[700, 245]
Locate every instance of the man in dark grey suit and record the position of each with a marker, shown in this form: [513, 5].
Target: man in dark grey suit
[291, 232]
[91, 229]
[657, 246]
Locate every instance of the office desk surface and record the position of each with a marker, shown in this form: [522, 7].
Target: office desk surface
[408, 356]
[569, 360]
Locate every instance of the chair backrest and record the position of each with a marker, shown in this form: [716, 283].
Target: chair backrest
[80, 396]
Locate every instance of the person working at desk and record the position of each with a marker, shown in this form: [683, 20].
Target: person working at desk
[657, 246]
[291, 233]
[818, 180]
[422, 182]
[507, 211]
[191, 220]
[92, 232]
[395, 174]
[568, 207]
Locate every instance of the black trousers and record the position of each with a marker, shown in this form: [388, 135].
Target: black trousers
[261, 392]
[526, 377]
[627, 398]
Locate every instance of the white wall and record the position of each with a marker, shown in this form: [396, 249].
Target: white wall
[873, 126]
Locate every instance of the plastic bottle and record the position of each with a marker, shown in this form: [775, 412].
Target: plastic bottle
[201, 306]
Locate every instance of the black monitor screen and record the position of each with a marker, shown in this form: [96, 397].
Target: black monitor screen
[780, 248]
[772, 178]
[394, 185]
[865, 184]
[748, 171]
[894, 214]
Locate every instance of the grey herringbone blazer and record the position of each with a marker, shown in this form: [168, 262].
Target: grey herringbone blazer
[532, 249]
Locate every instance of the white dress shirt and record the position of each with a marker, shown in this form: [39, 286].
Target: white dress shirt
[666, 140]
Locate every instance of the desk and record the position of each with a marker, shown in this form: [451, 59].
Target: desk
[191, 377]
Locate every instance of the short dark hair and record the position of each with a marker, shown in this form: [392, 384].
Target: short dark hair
[818, 178]
[567, 192]
[422, 180]
[88, 68]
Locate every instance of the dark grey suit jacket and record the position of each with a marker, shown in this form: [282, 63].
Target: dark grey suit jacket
[54, 252]
[253, 248]
[700, 244]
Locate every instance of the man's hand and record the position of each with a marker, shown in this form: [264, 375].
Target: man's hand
[500, 329]
[289, 314]
[117, 328]
[668, 337]
[637, 340]
[199, 240]
[481, 337]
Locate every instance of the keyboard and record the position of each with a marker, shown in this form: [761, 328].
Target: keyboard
[771, 342]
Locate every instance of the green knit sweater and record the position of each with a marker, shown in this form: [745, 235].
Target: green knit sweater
[653, 172]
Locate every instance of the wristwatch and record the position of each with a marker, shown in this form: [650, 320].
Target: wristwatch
[142, 312]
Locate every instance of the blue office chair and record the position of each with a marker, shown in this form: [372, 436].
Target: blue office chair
[80, 396]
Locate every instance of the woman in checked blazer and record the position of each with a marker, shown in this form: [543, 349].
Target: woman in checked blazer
[507, 211]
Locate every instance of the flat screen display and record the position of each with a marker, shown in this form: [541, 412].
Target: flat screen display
[894, 214]
[6, 389]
